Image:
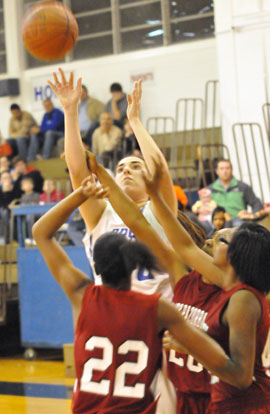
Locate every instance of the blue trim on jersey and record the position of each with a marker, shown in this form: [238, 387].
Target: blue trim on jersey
[144, 275]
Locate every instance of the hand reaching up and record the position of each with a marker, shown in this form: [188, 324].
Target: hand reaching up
[152, 182]
[134, 102]
[90, 188]
[65, 91]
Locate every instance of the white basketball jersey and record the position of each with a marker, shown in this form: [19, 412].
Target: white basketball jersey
[140, 281]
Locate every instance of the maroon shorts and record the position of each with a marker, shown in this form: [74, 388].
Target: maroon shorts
[240, 407]
[193, 403]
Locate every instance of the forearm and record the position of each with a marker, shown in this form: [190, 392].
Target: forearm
[207, 351]
[74, 150]
[50, 222]
[150, 151]
[177, 235]
[122, 204]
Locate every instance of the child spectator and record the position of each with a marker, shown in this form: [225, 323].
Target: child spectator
[29, 196]
[204, 206]
[219, 218]
[21, 170]
[50, 194]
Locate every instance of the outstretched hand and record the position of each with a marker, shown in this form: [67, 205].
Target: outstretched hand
[134, 102]
[152, 182]
[65, 91]
[90, 188]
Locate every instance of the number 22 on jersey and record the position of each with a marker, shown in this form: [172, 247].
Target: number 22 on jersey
[101, 364]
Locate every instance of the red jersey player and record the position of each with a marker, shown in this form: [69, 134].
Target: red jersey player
[194, 297]
[117, 343]
[225, 398]
[243, 265]
[241, 262]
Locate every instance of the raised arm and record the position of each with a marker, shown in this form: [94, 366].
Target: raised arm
[179, 238]
[69, 96]
[134, 219]
[150, 149]
[71, 279]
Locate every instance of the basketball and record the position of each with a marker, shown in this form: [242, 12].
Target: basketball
[49, 30]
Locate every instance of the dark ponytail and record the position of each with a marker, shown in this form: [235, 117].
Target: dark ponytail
[116, 257]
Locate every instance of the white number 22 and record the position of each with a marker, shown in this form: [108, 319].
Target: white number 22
[101, 364]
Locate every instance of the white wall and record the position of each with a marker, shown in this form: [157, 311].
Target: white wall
[178, 71]
[243, 44]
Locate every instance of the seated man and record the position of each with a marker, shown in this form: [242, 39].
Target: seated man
[232, 194]
[20, 131]
[51, 129]
[117, 106]
[107, 140]
[90, 110]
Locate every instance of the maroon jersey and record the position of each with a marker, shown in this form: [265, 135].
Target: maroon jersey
[117, 352]
[224, 397]
[194, 299]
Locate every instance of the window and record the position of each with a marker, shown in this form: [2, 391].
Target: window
[115, 26]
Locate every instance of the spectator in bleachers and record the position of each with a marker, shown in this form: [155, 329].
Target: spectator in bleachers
[90, 110]
[51, 129]
[182, 199]
[29, 196]
[107, 140]
[129, 142]
[5, 164]
[20, 131]
[117, 105]
[21, 169]
[219, 218]
[204, 207]
[232, 194]
[50, 193]
[8, 194]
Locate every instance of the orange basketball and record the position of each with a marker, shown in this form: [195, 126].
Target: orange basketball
[49, 30]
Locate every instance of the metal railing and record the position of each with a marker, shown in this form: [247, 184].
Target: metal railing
[189, 116]
[245, 134]
[212, 113]
[266, 118]
[162, 129]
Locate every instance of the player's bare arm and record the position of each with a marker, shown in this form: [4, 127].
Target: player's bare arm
[179, 238]
[69, 96]
[201, 346]
[71, 279]
[131, 215]
[242, 333]
[149, 149]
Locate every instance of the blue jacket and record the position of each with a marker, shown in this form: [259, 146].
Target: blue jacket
[53, 120]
